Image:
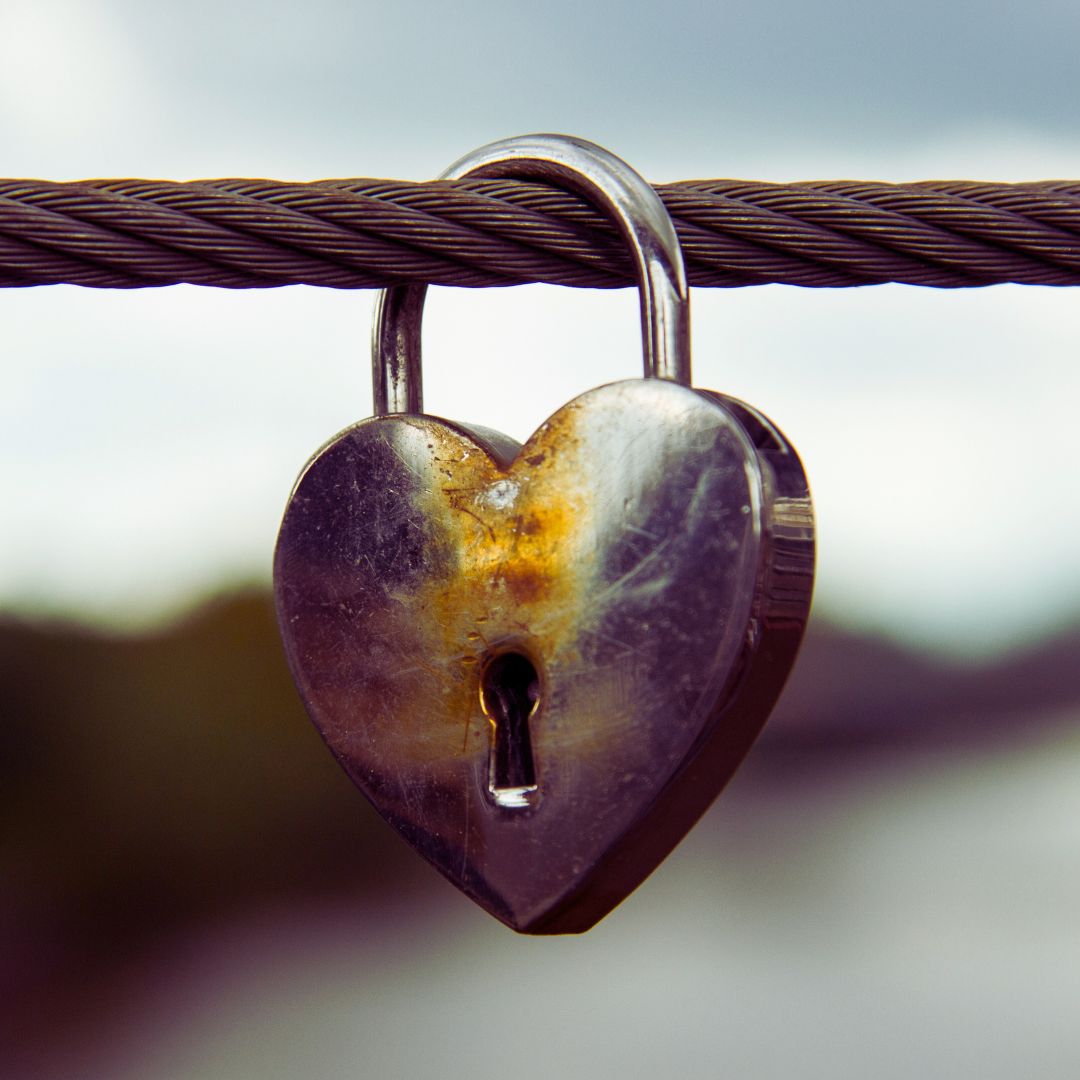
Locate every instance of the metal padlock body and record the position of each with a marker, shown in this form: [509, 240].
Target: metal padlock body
[650, 549]
[542, 663]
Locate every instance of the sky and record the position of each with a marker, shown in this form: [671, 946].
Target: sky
[149, 440]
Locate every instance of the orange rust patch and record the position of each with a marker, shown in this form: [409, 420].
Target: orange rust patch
[530, 525]
[526, 583]
[510, 561]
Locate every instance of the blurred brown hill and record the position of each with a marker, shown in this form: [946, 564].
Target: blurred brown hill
[149, 782]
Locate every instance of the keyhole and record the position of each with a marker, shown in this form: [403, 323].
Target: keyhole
[510, 696]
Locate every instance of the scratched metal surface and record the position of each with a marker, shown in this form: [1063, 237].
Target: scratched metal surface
[648, 552]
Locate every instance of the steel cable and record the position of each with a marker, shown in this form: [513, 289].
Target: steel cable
[357, 234]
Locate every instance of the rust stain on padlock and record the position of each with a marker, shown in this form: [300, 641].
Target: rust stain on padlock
[514, 571]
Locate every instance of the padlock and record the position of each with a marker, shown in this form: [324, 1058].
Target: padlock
[541, 663]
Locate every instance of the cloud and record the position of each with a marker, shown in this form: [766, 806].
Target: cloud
[336, 87]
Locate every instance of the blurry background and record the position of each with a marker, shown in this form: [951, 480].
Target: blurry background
[188, 888]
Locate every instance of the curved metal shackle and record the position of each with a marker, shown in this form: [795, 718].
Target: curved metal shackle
[615, 188]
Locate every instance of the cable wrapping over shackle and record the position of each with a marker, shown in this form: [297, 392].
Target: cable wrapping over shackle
[357, 234]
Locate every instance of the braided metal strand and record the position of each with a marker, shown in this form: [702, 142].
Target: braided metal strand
[357, 234]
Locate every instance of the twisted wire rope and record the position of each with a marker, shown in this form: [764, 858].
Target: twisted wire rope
[357, 234]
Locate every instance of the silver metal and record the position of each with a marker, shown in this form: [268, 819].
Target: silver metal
[616, 189]
[397, 384]
[647, 554]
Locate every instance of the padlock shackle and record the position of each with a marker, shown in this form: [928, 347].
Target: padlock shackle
[614, 188]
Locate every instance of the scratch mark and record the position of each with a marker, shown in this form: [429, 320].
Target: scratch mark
[625, 580]
[624, 649]
[465, 843]
[479, 520]
[404, 461]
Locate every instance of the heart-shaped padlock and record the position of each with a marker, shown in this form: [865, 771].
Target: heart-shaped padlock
[542, 663]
